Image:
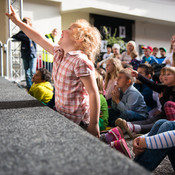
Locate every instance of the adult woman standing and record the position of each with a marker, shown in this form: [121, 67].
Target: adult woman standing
[130, 47]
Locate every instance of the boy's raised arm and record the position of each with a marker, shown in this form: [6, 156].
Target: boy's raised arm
[30, 32]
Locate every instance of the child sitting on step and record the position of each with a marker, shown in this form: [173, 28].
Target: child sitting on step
[127, 102]
[41, 88]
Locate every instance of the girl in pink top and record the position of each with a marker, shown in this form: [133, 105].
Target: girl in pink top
[113, 66]
[76, 92]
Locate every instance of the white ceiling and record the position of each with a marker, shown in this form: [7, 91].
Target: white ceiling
[152, 1]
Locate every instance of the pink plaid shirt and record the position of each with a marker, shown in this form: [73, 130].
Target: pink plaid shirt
[71, 97]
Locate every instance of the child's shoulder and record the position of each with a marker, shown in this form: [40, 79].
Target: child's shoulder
[82, 59]
[132, 90]
[80, 56]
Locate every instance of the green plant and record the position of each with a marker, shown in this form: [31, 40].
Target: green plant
[113, 39]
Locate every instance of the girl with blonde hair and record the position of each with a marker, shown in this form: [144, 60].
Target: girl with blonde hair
[130, 47]
[113, 67]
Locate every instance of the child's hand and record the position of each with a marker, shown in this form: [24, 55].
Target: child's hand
[94, 129]
[134, 73]
[168, 61]
[13, 16]
[161, 95]
[116, 95]
[139, 146]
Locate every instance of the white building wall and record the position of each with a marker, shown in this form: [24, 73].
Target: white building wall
[155, 35]
[45, 15]
[162, 10]
[68, 18]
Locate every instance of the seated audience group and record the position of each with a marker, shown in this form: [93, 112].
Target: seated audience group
[131, 101]
[140, 103]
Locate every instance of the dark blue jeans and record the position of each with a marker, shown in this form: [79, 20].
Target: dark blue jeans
[151, 158]
[30, 69]
[127, 115]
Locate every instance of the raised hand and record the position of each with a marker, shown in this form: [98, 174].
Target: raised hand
[134, 73]
[168, 61]
[30, 32]
[13, 16]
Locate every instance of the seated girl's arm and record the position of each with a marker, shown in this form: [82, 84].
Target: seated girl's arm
[30, 32]
[94, 103]
[151, 84]
[104, 110]
[159, 141]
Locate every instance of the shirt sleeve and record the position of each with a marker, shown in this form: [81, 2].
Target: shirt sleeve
[104, 110]
[58, 53]
[132, 102]
[20, 36]
[154, 60]
[104, 56]
[151, 84]
[167, 58]
[83, 68]
[161, 141]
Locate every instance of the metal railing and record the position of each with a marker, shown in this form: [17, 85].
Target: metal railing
[14, 69]
[1, 58]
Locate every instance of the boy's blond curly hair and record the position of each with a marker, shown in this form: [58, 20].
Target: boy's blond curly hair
[90, 37]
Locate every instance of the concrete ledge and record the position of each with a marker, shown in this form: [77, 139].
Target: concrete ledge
[38, 140]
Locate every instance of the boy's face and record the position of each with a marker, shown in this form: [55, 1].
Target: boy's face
[141, 71]
[161, 77]
[115, 51]
[169, 79]
[162, 53]
[54, 32]
[109, 49]
[155, 52]
[123, 81]
[37, 77]
[147, 52]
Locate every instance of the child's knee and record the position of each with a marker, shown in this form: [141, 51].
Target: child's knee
[160, 122]
[167, 126]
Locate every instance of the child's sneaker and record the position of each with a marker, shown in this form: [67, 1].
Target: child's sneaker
[121, 146]
[112, 135]
[123, 125]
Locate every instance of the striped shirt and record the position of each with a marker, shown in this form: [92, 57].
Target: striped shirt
[161, 141]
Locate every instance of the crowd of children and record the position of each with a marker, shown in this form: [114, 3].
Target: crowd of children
[112, 95]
